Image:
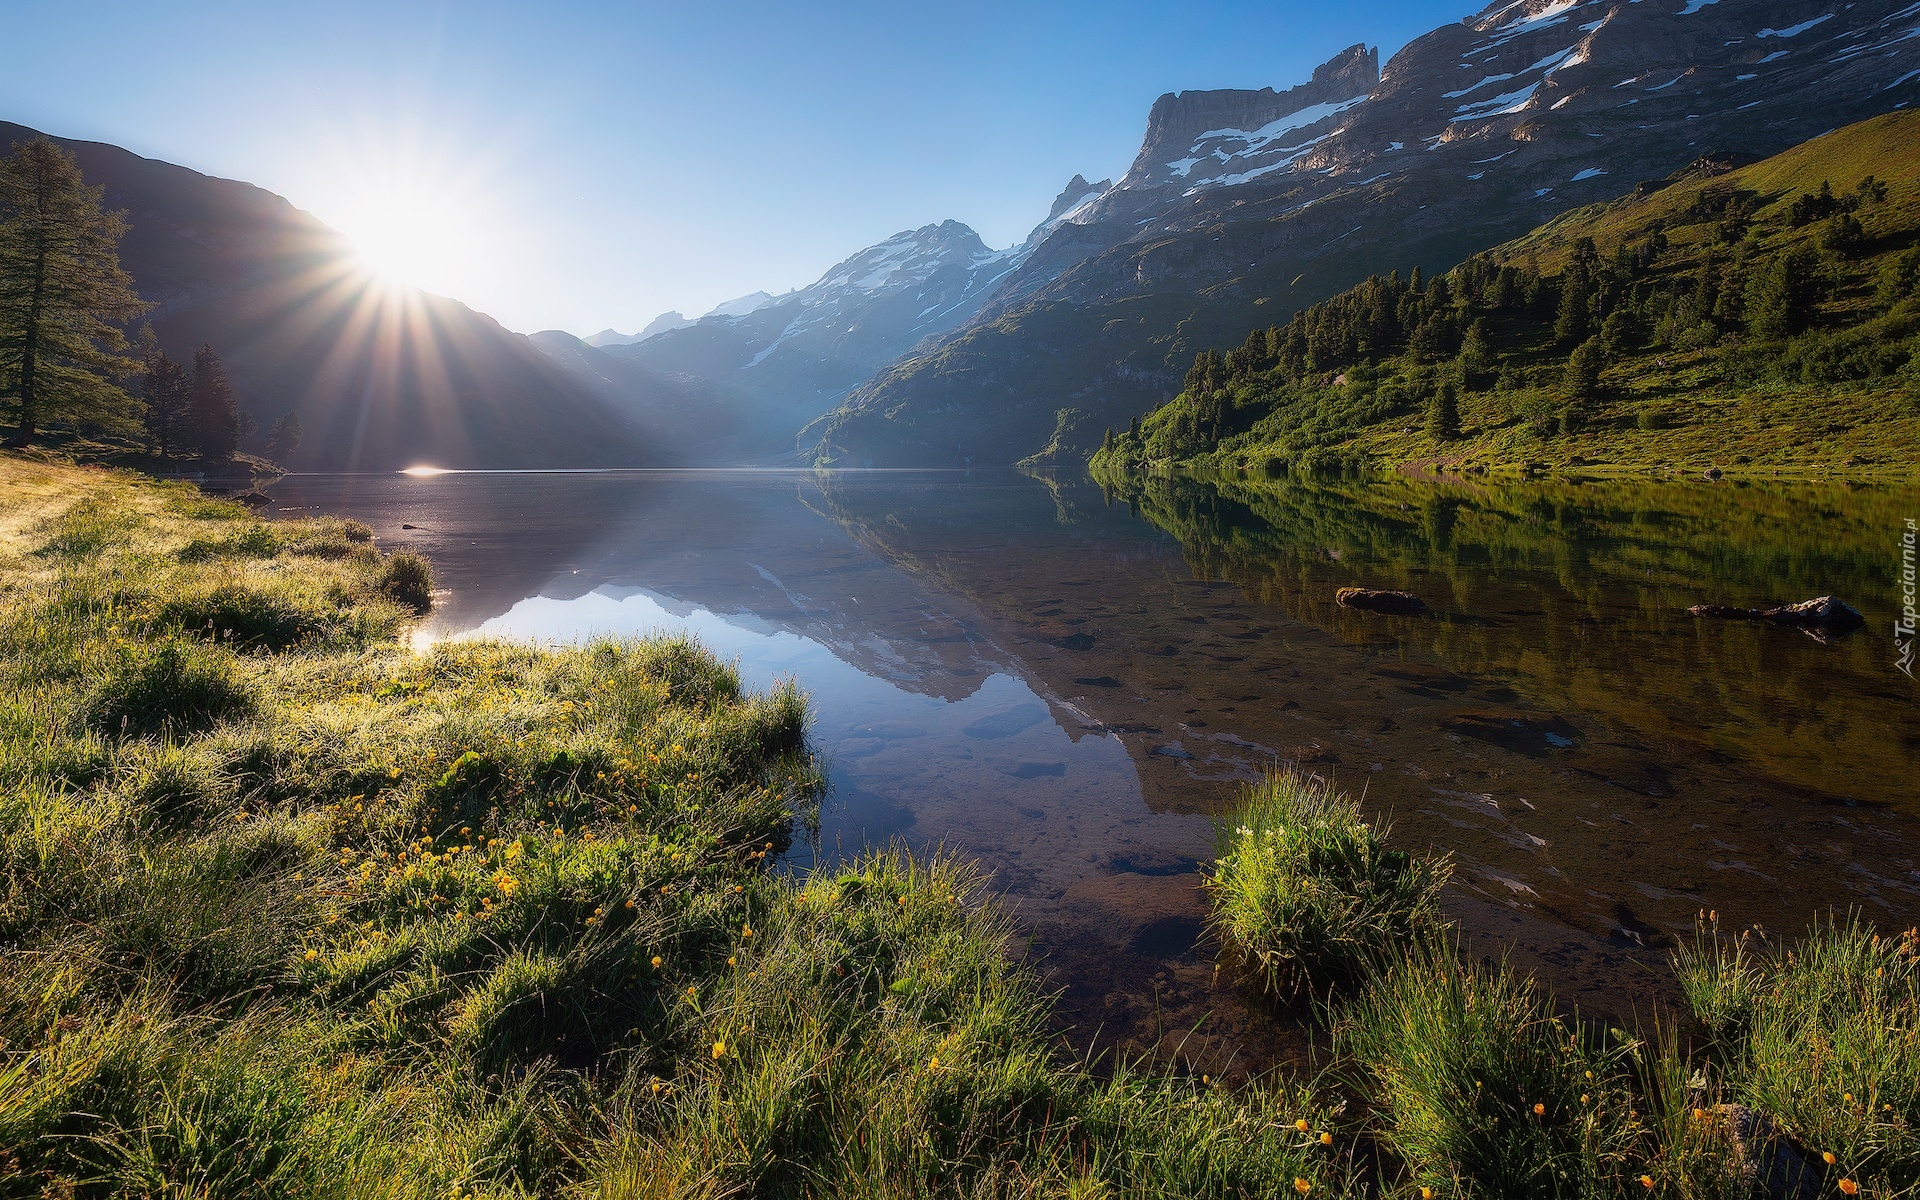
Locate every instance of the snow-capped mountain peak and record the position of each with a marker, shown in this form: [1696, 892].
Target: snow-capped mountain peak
[740, 306]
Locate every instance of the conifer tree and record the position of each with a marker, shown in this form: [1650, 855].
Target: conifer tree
[212, 415]
[165, 390]
[1576, 290]
[1583, 372]
[63, 297]
[1443, 412]
[284, 438]
[1476, 354]
[1780, 299]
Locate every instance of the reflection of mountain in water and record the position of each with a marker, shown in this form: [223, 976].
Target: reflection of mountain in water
[748, 547]
[1601, 764]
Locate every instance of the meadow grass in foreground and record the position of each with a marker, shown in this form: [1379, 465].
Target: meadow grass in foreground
[1795, 1067]
[290, 909]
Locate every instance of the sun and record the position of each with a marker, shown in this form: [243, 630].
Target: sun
[408, 235]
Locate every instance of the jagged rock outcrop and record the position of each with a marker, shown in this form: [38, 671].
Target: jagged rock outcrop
[1471, 135]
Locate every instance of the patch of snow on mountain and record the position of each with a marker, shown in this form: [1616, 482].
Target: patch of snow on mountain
[1553, 14]
[1499, 106]
[1181, 166]
[792, 328]
[740, 306]
[1392, 146]
[1744, 78]
[1589, 173]
[1571, 56]
[1259, 139]
[1661, 87]
[1793, 30]
[1694, 6]
[1291, 153]
[1079, 206]
[1777, 54]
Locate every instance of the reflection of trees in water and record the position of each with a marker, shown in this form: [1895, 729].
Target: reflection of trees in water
[1578, 590]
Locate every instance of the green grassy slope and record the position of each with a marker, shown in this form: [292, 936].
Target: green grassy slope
[1758, 318]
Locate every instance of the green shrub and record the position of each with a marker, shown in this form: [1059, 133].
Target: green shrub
[408, 579]
[1307, 893]
[167, 685]
[85, 529]
[1483, 1091]
[244, 616]
[256, 540]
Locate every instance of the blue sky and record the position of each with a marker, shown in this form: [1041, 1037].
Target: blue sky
[575, 165]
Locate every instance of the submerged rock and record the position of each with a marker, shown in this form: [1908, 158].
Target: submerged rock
[1768, 1165]
[1404, 604]
[1828, 613]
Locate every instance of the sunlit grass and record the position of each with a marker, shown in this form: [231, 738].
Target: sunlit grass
[290, 909]
[1307, 894]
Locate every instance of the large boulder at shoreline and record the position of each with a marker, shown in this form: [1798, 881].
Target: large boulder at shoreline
[1402, 604]
[1769, 1166]
[1828, 613]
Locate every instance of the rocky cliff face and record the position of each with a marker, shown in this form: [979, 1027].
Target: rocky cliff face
[1245, 205]
[381, 377]
[1197, 139]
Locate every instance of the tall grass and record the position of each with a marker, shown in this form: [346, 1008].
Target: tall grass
[289, 909]
[1794, 1070]
[1308, 895]
[1824, 1035]
[1483, 1089]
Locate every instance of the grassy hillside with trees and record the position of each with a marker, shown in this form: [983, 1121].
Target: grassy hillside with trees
[1760, 316]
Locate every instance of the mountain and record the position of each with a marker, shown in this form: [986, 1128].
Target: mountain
[1748, 318]
[1244, 206]
[660, 324]
[382, 376]
[782, 361]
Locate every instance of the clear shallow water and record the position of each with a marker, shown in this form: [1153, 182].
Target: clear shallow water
[1064, 682]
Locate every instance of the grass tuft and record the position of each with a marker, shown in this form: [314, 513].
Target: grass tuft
[1307, 894]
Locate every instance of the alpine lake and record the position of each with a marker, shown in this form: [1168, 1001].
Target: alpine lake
[1067, 681]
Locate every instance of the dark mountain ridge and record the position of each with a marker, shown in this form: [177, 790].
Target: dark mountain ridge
[382, 376]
